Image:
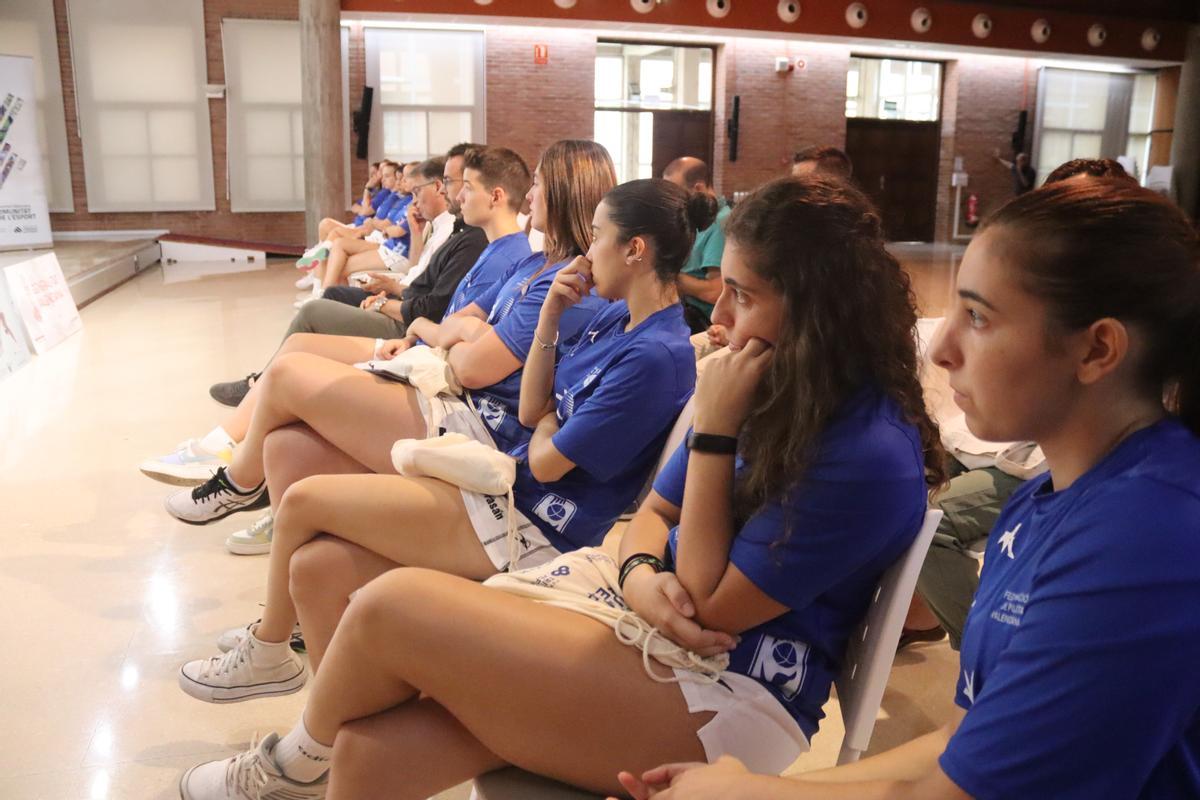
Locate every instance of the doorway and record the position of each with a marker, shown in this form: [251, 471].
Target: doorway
[653, 104]
[893, 139]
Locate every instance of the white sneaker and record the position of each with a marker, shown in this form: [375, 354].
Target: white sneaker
[255, 540]
[230, 638]
[306, 281]
[215, 499]
[251, 669]
[252, 775]
[190, 464]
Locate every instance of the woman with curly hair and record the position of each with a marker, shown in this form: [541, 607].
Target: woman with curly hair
[758, 551]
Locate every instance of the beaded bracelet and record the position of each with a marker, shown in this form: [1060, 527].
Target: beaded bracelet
[635, 561]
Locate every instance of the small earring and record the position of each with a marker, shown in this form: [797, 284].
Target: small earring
[639, 258]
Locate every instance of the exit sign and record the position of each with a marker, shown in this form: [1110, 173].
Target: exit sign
[541, 54]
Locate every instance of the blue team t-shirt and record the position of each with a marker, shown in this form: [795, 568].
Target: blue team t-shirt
[855, 511]
[377, 197]
[493, 267]
[1081, 655]
[515, 307]
[617, 394]
[396, 216]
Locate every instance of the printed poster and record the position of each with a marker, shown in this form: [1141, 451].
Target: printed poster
[24, 216]
[14, 353]
[44, 303]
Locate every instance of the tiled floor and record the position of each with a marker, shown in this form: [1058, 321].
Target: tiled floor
[104, 594]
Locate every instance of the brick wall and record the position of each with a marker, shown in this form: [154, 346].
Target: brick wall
[780, 113]
[530, 106]
[286, 228]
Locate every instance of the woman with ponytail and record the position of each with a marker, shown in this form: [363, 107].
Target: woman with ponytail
[1075, 326]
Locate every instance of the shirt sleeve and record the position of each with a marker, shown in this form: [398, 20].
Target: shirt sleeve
[669, 483]
[632, 407]
[1102, 670]
[828, 526]
[430, 293]
[714, 249]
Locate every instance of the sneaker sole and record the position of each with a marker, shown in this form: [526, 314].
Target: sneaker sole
[239, 694]
[258, 504]
[175, 478]
[239, 549]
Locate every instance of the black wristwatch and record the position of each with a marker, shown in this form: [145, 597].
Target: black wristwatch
[712, 443]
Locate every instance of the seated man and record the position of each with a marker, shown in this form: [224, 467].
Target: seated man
[699, 281]
[348, 255]
[828, 161]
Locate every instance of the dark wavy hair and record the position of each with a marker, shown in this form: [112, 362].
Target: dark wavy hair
[1091, 167]
[849, 322]
[1106, 247]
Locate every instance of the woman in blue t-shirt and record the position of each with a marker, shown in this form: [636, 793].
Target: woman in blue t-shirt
[432, 679]
[1080, 653]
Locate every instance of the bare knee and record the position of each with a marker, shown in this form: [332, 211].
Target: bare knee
[317, 570]
[301, 342]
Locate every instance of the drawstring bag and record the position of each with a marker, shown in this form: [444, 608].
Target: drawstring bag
[585, 581]
[465, 463]
[424, 367]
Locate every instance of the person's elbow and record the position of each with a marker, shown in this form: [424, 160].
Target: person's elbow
[545, 466]
[529, 416]
[472, 373]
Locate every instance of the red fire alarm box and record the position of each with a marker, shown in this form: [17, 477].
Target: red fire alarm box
[541, 54]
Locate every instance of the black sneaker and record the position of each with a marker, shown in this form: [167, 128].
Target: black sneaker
[233, 392]
[215, 499]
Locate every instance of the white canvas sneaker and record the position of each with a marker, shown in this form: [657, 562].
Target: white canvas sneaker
[189, 464]
[215, 499]
[305, 281]
[252, 775]
[255, 540]
[251, 669]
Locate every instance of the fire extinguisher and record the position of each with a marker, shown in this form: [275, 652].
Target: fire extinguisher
[972, 209]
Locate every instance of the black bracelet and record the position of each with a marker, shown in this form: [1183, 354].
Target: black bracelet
[635, 561]
[712, 443]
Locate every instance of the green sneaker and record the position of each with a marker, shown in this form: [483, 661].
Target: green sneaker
[255, 540]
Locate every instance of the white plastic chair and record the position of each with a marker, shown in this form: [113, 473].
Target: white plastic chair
[872, 647]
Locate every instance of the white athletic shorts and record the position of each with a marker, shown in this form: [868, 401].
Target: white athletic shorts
[488, 513]
[392, 259]
[750, 724]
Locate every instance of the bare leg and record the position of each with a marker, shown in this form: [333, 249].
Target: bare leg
[540, 687]
[333, 399]
[323, 574]
[343, 349]
[357, 255]
[411, 521]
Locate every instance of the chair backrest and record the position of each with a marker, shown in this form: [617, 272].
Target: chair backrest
[872, 647]
[674, 439]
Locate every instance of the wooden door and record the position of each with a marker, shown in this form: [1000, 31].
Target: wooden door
[896, 164]
[681, 133]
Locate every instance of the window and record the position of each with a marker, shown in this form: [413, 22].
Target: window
[139, 72]
[1085, 114]
[635, 80]
[1141, 123]
[429, 91]
[27, 29]
[266, 138]
[888, 88]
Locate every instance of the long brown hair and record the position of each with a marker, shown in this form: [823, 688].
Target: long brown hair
[1108, 248]
[849, 322]
[575, 176]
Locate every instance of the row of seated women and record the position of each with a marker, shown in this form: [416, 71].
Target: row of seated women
[735, 586]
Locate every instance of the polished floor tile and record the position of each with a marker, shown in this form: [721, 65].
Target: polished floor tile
[105, 595]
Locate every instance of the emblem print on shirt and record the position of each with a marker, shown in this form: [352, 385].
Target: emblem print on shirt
[491, 412]
[969, 686]
[1007, 540]
[555, 510]
[781, 663]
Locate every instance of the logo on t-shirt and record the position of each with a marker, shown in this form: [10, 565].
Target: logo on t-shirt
[555, 510]
[781, 663]
[1007, 539]
[491, 412]
[968, 689]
